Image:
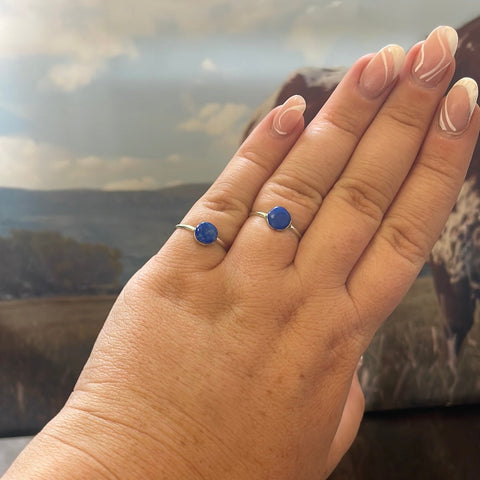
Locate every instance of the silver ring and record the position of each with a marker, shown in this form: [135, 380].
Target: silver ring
[205, 233]
[278, 219]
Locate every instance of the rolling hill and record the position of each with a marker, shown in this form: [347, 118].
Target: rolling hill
[136, 222]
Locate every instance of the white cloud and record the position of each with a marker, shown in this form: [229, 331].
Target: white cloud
[174, 158]
[216, 119]
[86, 34]
[208, 65]
[223, 123]
[90, 162]
[174, 183]
[314, 31]
[71, 76]
[144, 183]
[25, 163]
[335, 4]
[83, 31]
[21, 160]
[337, 32]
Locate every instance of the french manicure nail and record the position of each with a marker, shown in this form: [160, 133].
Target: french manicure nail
[381, 71]
[435, 55]
[289, 114]
[458, 106]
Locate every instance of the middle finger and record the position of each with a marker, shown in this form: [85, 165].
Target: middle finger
[355, 206]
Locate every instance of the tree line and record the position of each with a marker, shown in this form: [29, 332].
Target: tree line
[46, 263]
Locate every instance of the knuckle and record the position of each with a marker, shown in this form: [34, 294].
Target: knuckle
[438, 167]
[296, 190]
[341, 120]
[408, 240]
[260, 161]
[220, 199]
[130, 298]
[363, 197]
[160, 277]
[405, 117]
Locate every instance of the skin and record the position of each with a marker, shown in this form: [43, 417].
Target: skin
[240, 363]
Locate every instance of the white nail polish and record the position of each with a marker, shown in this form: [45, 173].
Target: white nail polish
[436, 54]
[452, 39]
[458, 106]
[471, 87]
[381, 71]
[288, 116]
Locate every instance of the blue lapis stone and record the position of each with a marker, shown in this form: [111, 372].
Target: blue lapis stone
[279, 218]
[206, 233]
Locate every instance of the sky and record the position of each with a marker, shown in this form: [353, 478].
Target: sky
[122, 95]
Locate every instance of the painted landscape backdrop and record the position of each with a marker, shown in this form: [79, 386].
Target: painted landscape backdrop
[64, 256]
[115, 116]
[75, 249]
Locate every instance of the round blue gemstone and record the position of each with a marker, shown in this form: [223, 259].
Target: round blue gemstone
[279, 218]
[206, 233]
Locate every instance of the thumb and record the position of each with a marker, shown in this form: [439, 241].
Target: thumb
[348, 426]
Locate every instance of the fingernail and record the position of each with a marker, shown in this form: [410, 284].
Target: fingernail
[381, 71]
[435, 55]
[458, 106]
[288, 116]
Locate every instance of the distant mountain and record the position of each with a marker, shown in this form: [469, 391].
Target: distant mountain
[136, 222]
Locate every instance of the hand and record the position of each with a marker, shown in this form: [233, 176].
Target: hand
[239, 362]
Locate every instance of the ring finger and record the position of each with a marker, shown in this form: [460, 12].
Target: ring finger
[303, 179]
